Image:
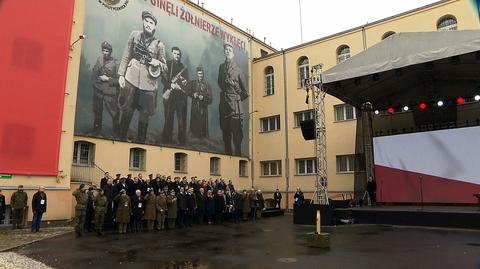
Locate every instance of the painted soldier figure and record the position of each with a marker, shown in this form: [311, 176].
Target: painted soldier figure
[175, 98]
[142, 63]
[80, 207]
[201, 94]
[233, 92]
[18, 202]
[105, 88]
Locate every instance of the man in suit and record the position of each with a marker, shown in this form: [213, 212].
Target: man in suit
[277, 197]
[39, 206]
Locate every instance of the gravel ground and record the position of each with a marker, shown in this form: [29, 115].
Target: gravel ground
[10, 260]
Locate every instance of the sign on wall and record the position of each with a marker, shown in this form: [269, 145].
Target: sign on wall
[160, 72]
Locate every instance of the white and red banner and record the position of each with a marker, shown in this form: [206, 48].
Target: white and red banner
[430, 167]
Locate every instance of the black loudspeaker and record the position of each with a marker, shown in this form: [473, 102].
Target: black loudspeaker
[308, 129]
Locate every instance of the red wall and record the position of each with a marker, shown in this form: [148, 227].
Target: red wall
[34, 47]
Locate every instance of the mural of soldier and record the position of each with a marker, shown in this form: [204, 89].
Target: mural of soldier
[175, 98]
[105, 88]
[201, 94]
[142, 63]
[233, 92]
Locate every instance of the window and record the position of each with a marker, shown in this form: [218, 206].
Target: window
[214, 166]
[269, 81]
[343, 53]
[180, 162]
[345, 163]
[306, 166]
[271, 168]
[270, 124]
[303, 71]
[345, 112]
[137, 159]
[242, 168]
[447, 23]
[83, 153]
[302, 116]
[387, 34]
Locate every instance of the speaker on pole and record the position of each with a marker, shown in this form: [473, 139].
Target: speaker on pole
[308, 129]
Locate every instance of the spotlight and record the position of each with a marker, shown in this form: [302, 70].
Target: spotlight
[460, 100]
[423, 105]
[405, 108]
[477, 97]
[440, 103]
[377, 112]
[390, 110]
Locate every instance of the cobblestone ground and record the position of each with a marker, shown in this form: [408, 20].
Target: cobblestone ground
[10, 260]
[14, 238]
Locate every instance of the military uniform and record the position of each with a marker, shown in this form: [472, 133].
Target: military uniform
[140, 91]
[18, 203]
[172, 210]
[199, 108]
[105, 92]
[100, 203]
[80, 207]
[150, 210]
[124, 210]
[233, 92]
[246, 205]
[161, 206]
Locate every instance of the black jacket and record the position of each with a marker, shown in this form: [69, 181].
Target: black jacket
[181, 201]
[37, 205]
[191, 202]
[220, 204]
[200, 202]
[3, 207]
[138, 207]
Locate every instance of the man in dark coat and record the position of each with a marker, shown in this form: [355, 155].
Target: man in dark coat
[191, 206]
[110, 192]
[372, 190]
[237, 206]
[171, 209]
[104, 180]
[100, 203]
[18, 203]
[90, 211]
[138, 209]
[233, 93]
[200, 197]
[39, 206]
[277, 197]
[220, 206]
[201, 93]
[298, 197]
[181, 208]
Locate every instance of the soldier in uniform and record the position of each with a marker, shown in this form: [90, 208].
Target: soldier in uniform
[233, 92]
[161, 206]
[124, 210]
[150, 209]
[105, 88]
[201, 94]
[175, 98]
[18, 203]
[171, 209]
[80, 207]
[100, 203]
[246, 204]
[142, 62]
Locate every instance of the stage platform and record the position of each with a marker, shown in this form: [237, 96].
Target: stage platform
[467, 217]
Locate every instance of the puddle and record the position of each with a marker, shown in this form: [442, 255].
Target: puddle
[287, 260]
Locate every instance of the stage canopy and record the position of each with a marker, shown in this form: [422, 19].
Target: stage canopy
[408, 68]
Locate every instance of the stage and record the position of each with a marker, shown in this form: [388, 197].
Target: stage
[467, 217]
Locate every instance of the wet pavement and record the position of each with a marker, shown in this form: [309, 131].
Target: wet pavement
[269, 243]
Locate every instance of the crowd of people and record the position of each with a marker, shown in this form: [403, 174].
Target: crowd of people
[162, 202]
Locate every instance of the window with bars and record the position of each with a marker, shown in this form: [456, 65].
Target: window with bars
[180, 162]
[83, 153]
[270, 124]
[242, 168]
[137, 159]
[271, 168]
[303, 71]
[345, 112]
[447, 23]
[269, 81]
[214, 166]
[343, 53]
[306, 166]
[302, 116]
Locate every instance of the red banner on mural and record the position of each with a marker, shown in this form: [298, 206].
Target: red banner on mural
[33, 68]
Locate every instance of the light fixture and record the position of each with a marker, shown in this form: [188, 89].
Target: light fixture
[377, 112]
[477, 97]
[460, 100]
[80, 37]
[440, 103]
[390, 110]
[405, 108]
[423, 106]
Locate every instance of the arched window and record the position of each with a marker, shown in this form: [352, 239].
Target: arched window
[447, 23]
[180, 162]
[269, 81]
[83, 153]
[387, 34]
[303, 71]
[215, 166]
[343, 53]
[137, 159]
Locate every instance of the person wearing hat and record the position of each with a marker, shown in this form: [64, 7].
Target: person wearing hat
[18, 203]
[110, 191]
[171, 209]
[201, 93]
[80, 207]
[39, 207]
[105, 89]
[100, 203]
[161, 207]
[233, 93]
[123, 211]
[150, 209]
[138, 85]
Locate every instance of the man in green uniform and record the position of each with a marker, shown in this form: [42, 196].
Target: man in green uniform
[161, 205]
[124, 210]
[18, 202]
[100, 204]
[80, 207]
[172, 209]
[150, 209]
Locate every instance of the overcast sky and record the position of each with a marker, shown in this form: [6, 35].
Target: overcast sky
[279, 21]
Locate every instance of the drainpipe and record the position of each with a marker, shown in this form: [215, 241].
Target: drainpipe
[287, 161]
[252, 167]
